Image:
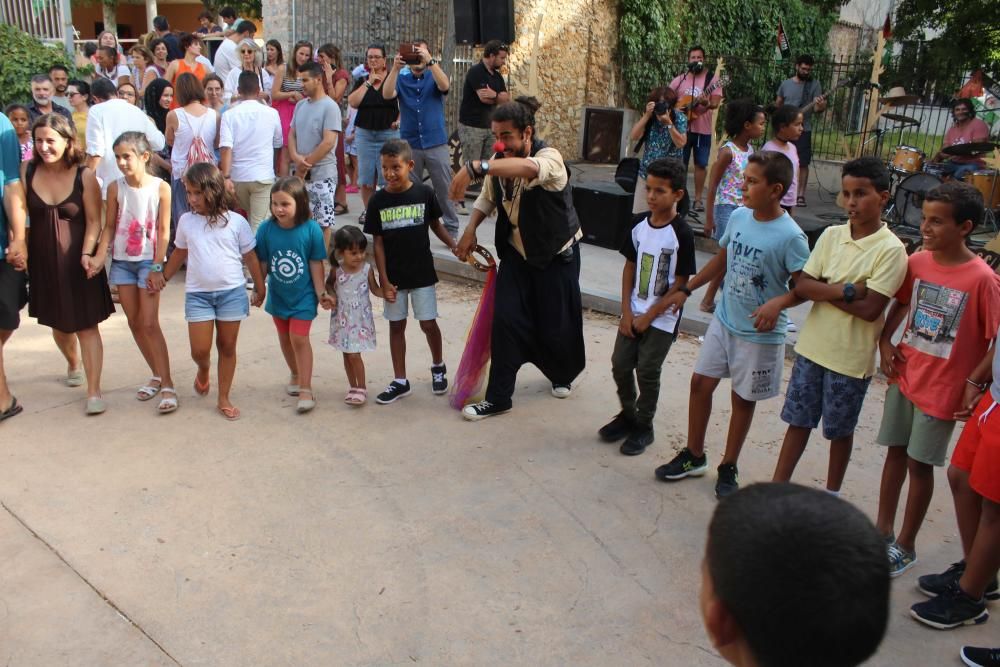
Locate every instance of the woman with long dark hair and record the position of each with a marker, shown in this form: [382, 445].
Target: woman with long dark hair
[335, 81]
[69, 290]
[286, 91]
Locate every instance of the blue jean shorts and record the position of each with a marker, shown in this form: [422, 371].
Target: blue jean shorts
[815, 391]
[424, 300]
[701, 145]
[368, 143]
[721, 214]
[125, 272]
[228, 305]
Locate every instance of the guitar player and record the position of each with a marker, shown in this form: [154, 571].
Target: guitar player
[806, 93]
[693, 83]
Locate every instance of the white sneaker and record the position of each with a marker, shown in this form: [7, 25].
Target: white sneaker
[562, 390]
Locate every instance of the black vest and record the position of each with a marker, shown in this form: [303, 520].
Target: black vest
[546, 219]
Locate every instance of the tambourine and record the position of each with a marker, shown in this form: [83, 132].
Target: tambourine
[488, 262]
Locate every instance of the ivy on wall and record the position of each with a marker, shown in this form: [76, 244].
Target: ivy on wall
[24, 56]
[655, 35]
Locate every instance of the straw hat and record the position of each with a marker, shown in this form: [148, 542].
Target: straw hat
[897, 97]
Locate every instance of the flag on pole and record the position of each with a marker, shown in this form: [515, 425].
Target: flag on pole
[887, 28]
[783, 51]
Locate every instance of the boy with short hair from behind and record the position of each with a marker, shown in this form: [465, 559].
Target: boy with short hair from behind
[793, 576]
[659, 257]
[761, 250]
[398, 217]
[950, 301]
[851, 274]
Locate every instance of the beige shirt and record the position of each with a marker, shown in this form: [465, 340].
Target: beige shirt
[552, 176]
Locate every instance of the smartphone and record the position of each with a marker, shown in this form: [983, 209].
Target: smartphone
[408, 52]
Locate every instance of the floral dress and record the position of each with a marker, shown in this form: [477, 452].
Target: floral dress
[352, 323]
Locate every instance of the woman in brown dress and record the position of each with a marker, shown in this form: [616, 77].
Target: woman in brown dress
[68, 292]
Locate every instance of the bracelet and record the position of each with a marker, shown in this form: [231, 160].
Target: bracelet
[977, 385]
[88, 254]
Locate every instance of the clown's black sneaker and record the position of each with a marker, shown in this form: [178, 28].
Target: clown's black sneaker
[483, 409]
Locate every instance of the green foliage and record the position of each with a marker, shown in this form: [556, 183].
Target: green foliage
[23, 57]
[970, 29]
[655, 35]
[247, 9]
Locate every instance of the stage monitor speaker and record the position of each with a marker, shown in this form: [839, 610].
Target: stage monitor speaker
[496, 20]
[605, 211]
[467, 22]
[602, 135]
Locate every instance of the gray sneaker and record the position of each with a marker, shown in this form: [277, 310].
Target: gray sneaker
[900, 560]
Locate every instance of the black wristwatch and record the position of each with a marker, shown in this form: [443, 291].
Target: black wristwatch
[431, 62]
[684, 290]
[849, 292]
[484, 167]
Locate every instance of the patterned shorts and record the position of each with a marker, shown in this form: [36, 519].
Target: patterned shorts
[815, 391]
[321, 200]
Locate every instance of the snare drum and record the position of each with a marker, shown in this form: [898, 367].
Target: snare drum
[935, 169]
[907, 160]
[987, 181]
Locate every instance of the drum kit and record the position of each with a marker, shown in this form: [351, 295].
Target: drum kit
[913, 176]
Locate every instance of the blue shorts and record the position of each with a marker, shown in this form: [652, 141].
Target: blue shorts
[368, 143]
[701, 144]
[424, 301]
[815, 391]
[722, 213]
[125, 272]
[229, 305]
[804, 146]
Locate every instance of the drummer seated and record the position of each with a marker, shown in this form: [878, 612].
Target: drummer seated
[967, 130]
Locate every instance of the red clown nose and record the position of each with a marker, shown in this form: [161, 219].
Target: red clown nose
[499, 147]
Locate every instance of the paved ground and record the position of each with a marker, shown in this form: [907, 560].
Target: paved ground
[376, 536]
[385, 535]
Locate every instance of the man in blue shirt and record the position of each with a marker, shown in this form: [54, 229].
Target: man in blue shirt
[421, 122]
[13, 254]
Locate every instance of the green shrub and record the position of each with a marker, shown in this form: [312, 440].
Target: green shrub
[23, 56]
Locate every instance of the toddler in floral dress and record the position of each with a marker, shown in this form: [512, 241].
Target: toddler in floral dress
[352, 324]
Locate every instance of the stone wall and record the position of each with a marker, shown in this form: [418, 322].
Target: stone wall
[565, 54]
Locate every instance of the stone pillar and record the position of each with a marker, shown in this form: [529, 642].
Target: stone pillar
[278, 20]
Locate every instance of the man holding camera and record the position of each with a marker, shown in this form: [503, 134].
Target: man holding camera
[421, 119]
[484, 89]
[693, 83]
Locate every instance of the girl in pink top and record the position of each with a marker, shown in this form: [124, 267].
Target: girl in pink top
[786, 123]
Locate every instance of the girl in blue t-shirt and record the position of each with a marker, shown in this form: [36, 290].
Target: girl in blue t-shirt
[291, 251]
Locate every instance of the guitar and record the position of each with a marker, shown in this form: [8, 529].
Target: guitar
[850, 81]
[686, 104]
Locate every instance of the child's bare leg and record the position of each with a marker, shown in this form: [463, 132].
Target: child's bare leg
[200, 335]
[355, 366]
[918, 499]
[699, 411]
[739, 426]
[840, 456]
[893, 476]
[397, 347]
[225, 344]
[433, 334]
[303, 360]
[149, 317]
[968, 507]
[796, 438]
[284, 340]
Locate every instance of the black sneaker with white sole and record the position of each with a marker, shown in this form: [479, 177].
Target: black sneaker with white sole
[395, 390]
[935, 584]
[728, 482]
[685, 464]
[483, 409]
[637, 441]
[951, 609]
[439, 379]
[974, 656]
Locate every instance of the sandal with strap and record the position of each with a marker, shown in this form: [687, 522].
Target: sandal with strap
[356, 396]
[800, 202]
[201, 389]
[341, 209]
[14, 409]
[148, 391]
[231, 413]
[169, 403]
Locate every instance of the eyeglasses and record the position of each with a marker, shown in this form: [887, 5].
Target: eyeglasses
[246, 51]
[376, 57]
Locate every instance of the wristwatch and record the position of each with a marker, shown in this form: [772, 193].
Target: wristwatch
[849, 292]
[431, 62]
[156, 268]
[684, 290]
[484, 167]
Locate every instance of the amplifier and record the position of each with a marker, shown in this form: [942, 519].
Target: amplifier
[605, 212]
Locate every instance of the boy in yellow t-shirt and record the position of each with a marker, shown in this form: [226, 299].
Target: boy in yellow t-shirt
[851, 275]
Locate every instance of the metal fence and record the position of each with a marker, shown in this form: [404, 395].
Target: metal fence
[837, 131]
[41, 18]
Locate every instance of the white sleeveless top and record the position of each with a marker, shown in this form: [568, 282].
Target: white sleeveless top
[188, 126]
[136, 227]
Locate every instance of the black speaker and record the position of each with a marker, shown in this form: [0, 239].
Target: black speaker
[467, 22]
[496, 20]
[605, 211]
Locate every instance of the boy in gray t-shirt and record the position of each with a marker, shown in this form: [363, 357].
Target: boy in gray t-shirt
[312, 140]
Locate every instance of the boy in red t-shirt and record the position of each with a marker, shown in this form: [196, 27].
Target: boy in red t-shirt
[951, 303]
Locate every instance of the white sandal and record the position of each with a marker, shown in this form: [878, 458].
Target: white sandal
[167, 403]
[148, 391]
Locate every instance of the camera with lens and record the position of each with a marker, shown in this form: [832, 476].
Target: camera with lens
[661, 108]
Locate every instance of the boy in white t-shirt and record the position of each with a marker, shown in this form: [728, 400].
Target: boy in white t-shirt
[659, 257]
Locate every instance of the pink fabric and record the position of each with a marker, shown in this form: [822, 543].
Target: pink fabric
[792, 153]
[969, 133]
[285, 109]
[472, 369]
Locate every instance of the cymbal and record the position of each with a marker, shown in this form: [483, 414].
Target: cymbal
[900, 100]
[969, 149]
[900, 118]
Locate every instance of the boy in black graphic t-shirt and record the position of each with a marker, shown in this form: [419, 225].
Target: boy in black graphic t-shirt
[398, 217]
